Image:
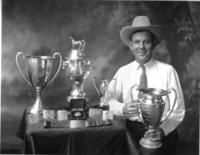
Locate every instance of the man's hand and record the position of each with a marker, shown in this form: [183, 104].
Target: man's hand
[131, 109]
[155, 135]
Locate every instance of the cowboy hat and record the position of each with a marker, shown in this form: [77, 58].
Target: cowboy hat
[141, 23]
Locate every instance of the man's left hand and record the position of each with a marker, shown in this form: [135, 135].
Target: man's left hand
[155, 135]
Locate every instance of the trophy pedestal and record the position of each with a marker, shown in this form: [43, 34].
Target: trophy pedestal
[151, 144]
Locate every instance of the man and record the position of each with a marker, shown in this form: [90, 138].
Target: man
[142, 37]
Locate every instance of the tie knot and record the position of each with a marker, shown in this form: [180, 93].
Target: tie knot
[142, 67]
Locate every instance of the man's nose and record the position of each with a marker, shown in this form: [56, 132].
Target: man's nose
[141, 45]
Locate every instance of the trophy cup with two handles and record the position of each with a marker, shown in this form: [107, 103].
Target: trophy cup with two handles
[37, 72]
[105, 95]
[151, 111]
[77, 67]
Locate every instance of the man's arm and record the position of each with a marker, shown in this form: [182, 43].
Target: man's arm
[114, 94]
[178, 112]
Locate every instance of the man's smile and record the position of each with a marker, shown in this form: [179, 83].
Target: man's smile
[141, 53]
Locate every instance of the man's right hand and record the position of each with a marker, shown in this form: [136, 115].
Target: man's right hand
[131, 109]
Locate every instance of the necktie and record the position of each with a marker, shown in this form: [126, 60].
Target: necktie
[143, 77]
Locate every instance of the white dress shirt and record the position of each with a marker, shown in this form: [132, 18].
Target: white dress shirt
[159, 75]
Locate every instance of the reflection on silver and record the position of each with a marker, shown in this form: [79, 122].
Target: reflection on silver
[77, 67]
[152, 108]
[101, 87]
[37, 75]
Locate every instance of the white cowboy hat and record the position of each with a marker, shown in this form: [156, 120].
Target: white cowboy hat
[141, 23]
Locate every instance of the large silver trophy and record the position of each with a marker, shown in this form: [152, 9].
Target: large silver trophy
[37, 73]
[77, 67]
[151, 111]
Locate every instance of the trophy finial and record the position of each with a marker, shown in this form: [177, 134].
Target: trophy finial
[78, 45]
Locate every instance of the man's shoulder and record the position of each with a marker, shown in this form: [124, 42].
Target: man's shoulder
[163, 65]
[128, 66]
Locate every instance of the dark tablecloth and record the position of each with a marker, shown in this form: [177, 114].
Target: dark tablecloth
[103, 140]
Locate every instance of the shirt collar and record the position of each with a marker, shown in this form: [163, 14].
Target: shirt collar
[147, 65]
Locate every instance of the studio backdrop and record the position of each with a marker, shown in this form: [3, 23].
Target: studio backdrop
[43, 27]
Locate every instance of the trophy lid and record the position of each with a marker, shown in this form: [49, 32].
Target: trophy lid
[77, 51]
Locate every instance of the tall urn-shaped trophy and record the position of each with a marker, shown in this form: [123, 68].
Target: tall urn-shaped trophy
[77, 67]
[151, 111]
[37, 70]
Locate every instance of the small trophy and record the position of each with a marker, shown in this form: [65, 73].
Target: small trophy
[37, 75]
[77, 67]
[101, 87]
[151, 109]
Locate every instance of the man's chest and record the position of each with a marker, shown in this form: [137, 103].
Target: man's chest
[155, 78]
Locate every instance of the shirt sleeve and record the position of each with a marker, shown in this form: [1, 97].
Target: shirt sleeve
[178, 112]
[114, 94]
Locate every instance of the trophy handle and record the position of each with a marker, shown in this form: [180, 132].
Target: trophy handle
[17, 62]
[88, 65]
[139, 100]
[174, 102]
[95, 86]
[83, 43]
[59, 67]
[133, 87]
[65, 63]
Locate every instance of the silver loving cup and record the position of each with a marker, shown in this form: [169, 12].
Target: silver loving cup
[77, 67]
[37, 74]
[101, 87]
[151, 111]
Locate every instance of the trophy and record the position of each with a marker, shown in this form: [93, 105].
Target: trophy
[37, 75]
[101, 87]
[105, 95]
[151, 110]
[77, 67]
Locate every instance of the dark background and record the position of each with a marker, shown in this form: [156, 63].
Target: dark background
[44, 26]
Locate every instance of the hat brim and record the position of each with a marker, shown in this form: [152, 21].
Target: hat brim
[126, 32]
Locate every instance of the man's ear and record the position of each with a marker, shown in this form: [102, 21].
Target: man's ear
[153, 45]
[130, 45]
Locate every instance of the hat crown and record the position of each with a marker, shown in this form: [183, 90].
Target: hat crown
[141, 21]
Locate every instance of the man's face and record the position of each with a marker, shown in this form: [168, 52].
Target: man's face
[141, 46]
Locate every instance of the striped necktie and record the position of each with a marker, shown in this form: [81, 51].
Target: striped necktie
[143, 77]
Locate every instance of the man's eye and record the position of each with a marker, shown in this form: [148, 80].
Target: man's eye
[136, 42]
[148, 41]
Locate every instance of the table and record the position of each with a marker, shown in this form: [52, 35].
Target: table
[102, 140]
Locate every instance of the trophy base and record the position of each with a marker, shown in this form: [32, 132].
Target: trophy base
[78, 109]
[148, 143]
[33, 117]
[88, 123]
[77, 124]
